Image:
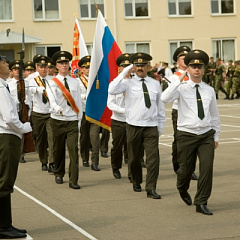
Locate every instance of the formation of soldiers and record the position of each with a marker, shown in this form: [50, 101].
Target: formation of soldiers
[218, 73]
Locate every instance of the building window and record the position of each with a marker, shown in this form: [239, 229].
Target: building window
[88, 8]
[179, 7]
[45, 10]
[47, 50]
[5, 10]
[136, 8]
[224, 49]
[173, 45]
[222, 7]
[137, 47]
[89, 48]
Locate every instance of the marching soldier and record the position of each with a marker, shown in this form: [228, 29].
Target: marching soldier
[229, 74]
[220, 77]
[40, 115]
[66, 113]
[236, 81]
[11, 131]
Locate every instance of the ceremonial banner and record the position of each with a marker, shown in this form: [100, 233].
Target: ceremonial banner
[79, 47]
[103, 69]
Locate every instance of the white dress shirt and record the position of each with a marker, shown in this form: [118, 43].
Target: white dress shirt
[56, 98]
[116, 103]
[188, 119]
[137, 114]
[38, 105]
[9, 119]
[83, 93]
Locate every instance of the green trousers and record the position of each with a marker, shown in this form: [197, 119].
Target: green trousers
[148, 138]
[10, 151]
[65, 133]
[188, 146]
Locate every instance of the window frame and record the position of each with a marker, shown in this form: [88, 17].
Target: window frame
[179, 43]
[220, 8]
[44, 13]
[221, 53]
[12, 12]
[177, 10]
[45, 48]
[134, 11]
[89, 11]
[135, 46]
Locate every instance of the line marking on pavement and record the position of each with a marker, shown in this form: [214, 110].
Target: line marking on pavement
[229, 116]
[56, 214]
[226, 125]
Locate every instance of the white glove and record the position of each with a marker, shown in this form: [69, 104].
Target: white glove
[27, 127]
[57, 109]
[41, 90]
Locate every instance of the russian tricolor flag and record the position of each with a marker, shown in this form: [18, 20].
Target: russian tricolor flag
[103, 69]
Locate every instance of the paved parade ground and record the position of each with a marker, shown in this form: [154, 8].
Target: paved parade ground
[106, 208]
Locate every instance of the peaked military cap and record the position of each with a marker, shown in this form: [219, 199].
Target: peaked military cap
[61, 56]
[140, 58]
[181, 51]
[29, 65]
[51, 64]
[14, 64]
[42, 60]
[196, 57]
[123, 60]
[36, 56]
[85, 61]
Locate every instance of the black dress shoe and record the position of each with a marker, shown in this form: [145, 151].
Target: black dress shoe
[153, 194]
[19, 230]
[117, 174]
[86, 164]
[59, 180]
[10, 233]
[44, 167]
[74, 186]
[51, 168]
[194, 177]
[137, 188]
[104, 154]
[186, 198]
[95, 167]
[22, 160]
[203, 209]
[143, 164]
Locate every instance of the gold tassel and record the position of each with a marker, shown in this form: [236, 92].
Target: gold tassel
[97, 84]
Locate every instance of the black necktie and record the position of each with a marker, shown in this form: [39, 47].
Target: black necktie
[44, 99]
[146, 94]
[8, 88]
[67, 87]
[199, 103]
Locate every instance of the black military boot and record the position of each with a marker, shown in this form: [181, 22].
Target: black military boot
[232, 97]
[6, 228]
[238, 96]
[227, 96]
[216, 96]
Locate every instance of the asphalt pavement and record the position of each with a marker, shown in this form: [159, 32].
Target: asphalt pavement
[106, 208]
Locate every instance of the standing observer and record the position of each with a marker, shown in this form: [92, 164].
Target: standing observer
[198, 129]
[66, 113]
[11, 131]
[145, 117]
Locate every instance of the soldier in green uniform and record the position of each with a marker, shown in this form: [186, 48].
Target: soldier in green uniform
[230, 72]
[236, 81]
[220, 76]
[210, 72]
